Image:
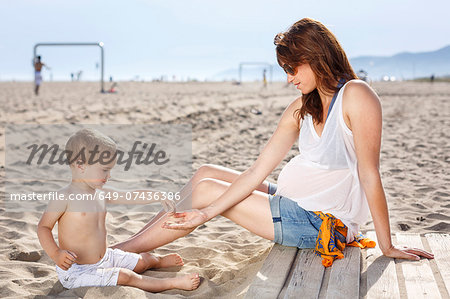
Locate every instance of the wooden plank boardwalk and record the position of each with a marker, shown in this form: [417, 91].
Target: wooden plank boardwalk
[289, 272]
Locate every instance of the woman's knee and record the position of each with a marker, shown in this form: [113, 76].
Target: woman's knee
[204, 192]
[205, 171]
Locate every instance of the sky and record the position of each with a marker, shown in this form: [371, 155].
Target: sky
[146, 39]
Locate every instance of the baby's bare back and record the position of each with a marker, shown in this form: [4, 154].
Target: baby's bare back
[84, 233]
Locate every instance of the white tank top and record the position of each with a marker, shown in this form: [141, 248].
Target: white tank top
[324, 176]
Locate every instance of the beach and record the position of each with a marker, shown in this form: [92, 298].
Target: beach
[230, 126]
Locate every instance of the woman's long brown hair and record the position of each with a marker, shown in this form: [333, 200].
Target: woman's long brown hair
[309, 41]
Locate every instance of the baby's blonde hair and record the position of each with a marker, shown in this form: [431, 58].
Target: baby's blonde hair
[83, 142]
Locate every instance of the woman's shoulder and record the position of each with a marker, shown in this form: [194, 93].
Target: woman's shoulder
[297, 103]
[359, 99]
[290, 114]
[357, 87]
[358, 93]
[294, 105]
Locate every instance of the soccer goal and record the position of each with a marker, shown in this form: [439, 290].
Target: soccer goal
[99, 44]
[264, 64]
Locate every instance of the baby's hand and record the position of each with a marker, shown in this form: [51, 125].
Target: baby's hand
[65, 258]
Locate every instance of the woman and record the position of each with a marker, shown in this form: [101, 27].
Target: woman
[338, 122]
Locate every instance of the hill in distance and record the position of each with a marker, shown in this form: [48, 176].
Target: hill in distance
[402, 66]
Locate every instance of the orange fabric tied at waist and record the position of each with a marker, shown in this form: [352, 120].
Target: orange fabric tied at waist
[328, 246]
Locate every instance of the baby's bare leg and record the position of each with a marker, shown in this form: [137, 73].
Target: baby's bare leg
[211, 171]
[149, 261]
[129, 278]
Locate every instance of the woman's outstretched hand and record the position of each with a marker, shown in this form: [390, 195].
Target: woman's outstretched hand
[185, 220]
[405, 252]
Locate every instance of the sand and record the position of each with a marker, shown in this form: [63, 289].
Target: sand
[227, 129]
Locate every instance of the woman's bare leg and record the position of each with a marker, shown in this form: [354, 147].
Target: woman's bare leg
[205, 171]
[253, 213]
[221, 173]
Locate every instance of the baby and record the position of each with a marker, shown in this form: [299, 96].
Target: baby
[82, 257]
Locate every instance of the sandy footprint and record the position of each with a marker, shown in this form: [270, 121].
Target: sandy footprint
[24, 256]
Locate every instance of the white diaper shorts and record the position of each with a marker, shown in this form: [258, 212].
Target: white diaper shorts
[103, 273]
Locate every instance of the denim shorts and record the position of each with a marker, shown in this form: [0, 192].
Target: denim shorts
[293, 225]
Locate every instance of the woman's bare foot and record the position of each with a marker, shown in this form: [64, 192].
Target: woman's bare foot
[188, 282]
[170, 260]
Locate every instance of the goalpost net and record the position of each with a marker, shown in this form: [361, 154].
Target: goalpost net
[268, 66]
[99, 44]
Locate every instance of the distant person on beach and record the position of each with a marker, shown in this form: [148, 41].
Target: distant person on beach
[38, 65]
[362, 74]
[112, 89]
[432, 78]
[264, 78]
[322, 195]
[81, 256]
